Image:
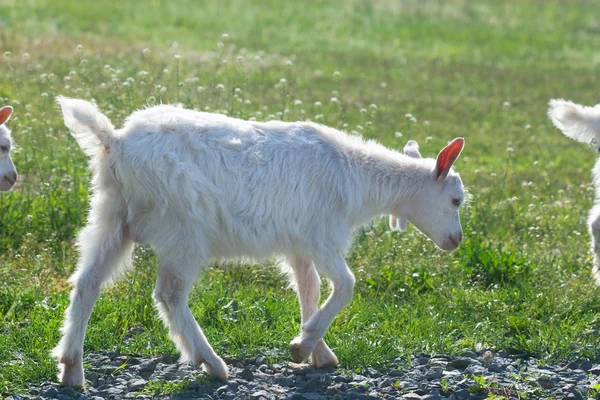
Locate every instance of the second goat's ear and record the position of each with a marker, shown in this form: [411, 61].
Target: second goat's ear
[412, 149]
[5, 113]
[446, 158]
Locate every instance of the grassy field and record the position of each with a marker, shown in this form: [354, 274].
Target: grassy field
[424, 70]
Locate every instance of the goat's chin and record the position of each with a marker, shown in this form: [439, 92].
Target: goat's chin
[447, 246]
[5, 186]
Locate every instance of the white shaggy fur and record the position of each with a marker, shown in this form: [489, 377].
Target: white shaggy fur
[8, 172]
[200, 187]
[583, 124]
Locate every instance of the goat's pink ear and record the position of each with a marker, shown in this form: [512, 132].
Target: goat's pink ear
[412, 149]
[5, 113]
[446, 158]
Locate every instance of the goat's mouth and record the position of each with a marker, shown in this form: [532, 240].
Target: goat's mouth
[6, 185]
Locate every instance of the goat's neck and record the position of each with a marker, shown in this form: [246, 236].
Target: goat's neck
[386, 188]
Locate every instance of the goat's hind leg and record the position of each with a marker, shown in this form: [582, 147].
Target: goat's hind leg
[103, 247]
[175, 279]
[594, 225]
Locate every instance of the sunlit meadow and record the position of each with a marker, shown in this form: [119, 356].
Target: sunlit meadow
[391, 71]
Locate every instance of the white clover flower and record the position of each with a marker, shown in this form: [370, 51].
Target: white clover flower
[428, 138]
[289, 63]
[237, 90]
[146, 51]
[383, 84]
[44, 94]
[166, 70]
[177, 56]
[163, 89]
[373, 106]
[528, 126]
[336, 74]
[363, 110]
[225, 36]
[510, 149]
[318, 104]
[506, 104]
[200, 89]
[334, 100]
[283, 81]
[247, 101]
[220, 86]
[297, 102]
[398, 134]
[79, 47]
[143, 73]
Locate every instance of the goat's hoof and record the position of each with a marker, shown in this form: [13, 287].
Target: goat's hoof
[323, 357]
[217, 368]
[71, 374]
[300, 352]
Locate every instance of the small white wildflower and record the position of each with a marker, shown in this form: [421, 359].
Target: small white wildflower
[363, 110]
[383, 84]
[25, 56]
[83, 61]
[297, 102]
[426, 122]
[373, 106]
[220, 45]
[318, 116]
[398, 134]
[102, 85]
[359, 127]
[79, 47]
[7, 54]
[146, 51]
[224, 61]
[336, 74]
[163, 89]
[289, 63]
[318, 104]
[143, 73]
[166, 70]
[528, 126]
[510, 149]
[428, 138]
[247, 101]
[220, 86]
[283, 81]
[334, 100]
[239, 59]
[237, 90]
[506, 104]
[200, 89]
[44, 94]
[225, 36]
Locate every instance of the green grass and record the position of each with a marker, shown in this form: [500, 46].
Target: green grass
[483, 70]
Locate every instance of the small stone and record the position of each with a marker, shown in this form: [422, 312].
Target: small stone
[64, 397]
[460, 363]
[495, 368]
[595, 370]
[469, 354]
[331, 392]
[136, 385]
[259, 394]
[297, 396]
[546, 382]
[412, 396]
[246, 374]
[462, 394]
[586, 365]
[396, 372]
[51, 393]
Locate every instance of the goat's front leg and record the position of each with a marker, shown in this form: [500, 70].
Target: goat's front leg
[308, 287]
[103, 247]
[315, 328]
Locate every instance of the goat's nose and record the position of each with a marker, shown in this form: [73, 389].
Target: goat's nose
[11, 177]
[460, 236]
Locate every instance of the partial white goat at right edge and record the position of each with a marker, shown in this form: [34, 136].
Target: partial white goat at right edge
[583, 124]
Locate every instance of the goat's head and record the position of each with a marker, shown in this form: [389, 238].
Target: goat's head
[434, 208]
[8, 172]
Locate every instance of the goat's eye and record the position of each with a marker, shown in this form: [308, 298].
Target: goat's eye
[4, 149]
[456, 202]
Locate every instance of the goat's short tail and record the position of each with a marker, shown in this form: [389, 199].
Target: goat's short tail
[93, 130]
[577, 122]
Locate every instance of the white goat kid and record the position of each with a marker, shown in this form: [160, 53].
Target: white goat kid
[199, 187]
[583, 124]
[8, 172]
